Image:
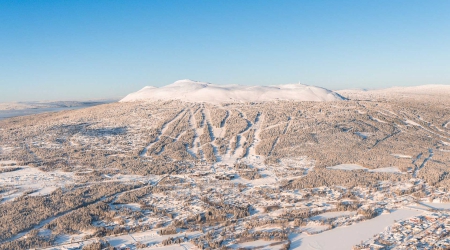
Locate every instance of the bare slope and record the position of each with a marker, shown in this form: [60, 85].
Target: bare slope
[192, 91]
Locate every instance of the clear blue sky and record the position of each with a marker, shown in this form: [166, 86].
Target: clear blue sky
[60, 50]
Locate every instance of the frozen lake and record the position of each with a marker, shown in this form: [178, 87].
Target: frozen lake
[346, 237]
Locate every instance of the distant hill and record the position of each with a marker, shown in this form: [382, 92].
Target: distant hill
[50, 104]
[414, 92]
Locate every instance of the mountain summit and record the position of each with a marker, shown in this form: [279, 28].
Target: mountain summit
[194, 91]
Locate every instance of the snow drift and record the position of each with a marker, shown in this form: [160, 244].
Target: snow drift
[193, 91]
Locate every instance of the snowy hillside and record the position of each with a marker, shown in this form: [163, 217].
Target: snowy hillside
[193, 91]
[399, 92]
[422, 89]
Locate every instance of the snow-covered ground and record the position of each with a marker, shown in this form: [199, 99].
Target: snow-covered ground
[347, 167]
[401, 156]
[36, 182]
[329, 215]
[258, 244]
[29, 179]
[151, 238]
[386, 170]
[358, 167]
[193, 91]
[344, 238]
[437, 205]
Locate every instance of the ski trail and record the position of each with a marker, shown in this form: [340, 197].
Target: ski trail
[278, 138]
[273, 146]
[224, 121]
[210, 128]
[208, 122]
[417, 158]
[192, 125]
[445, 125]
[257, 126]
[163, 130]
[430, 155]
[410, 121]
[275, 125]
[385, 138]
[240, 138]
[199, 110]
[287, 125]
[426, 125]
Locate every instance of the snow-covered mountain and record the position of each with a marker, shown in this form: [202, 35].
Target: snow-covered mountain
[193, 91]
